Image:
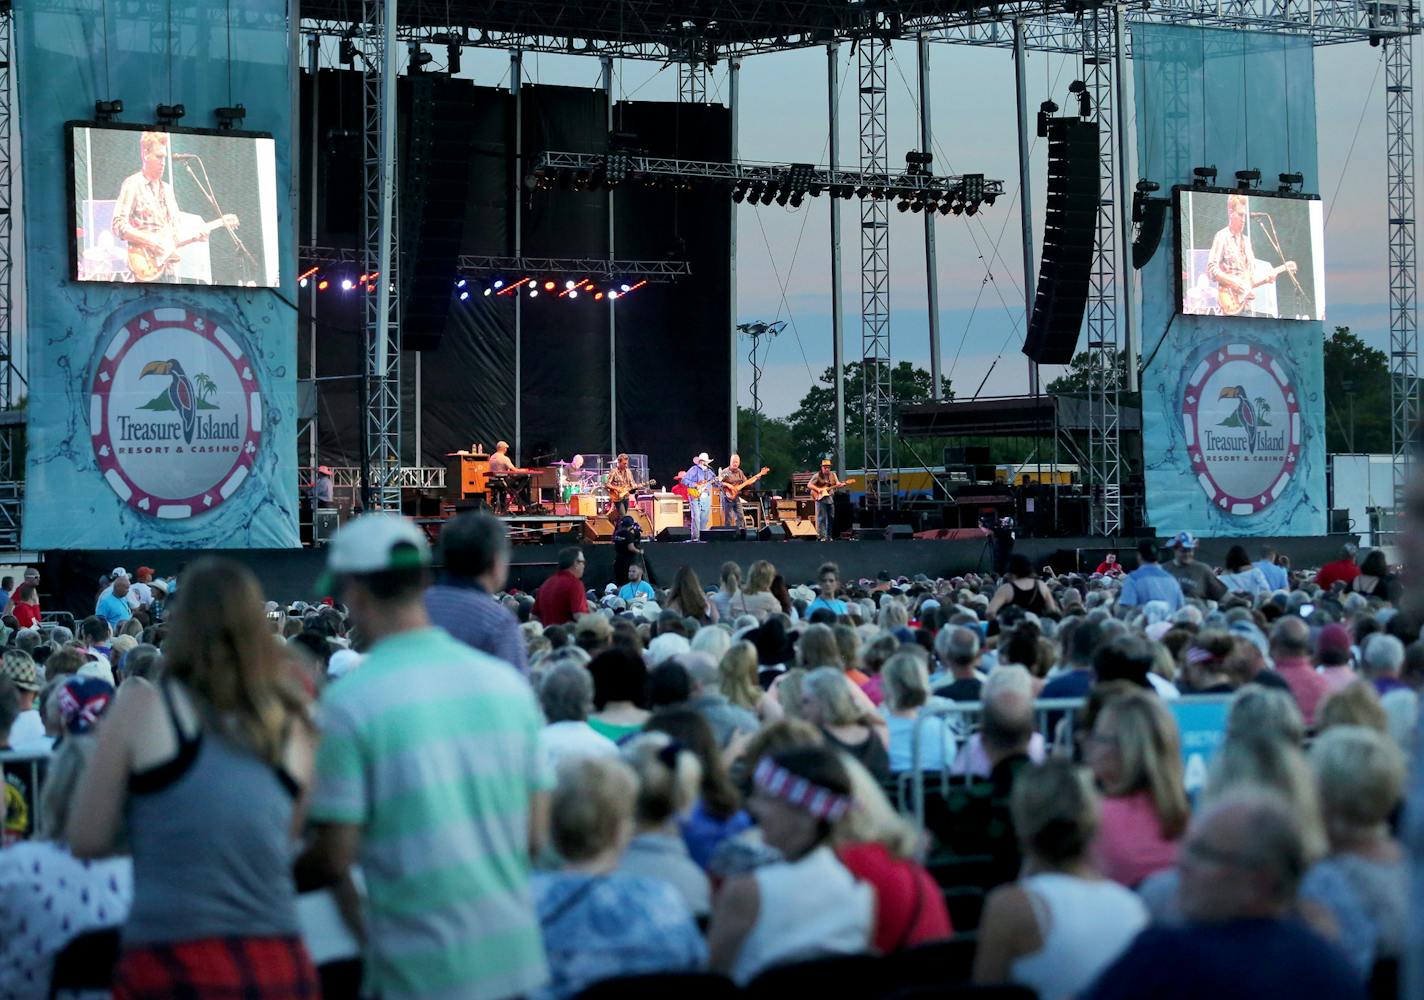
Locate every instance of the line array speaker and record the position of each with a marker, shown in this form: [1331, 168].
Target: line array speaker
[1074, 194]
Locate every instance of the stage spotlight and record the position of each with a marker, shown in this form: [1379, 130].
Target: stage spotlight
[229, 117]
[598, 296]
[348, 52]
[784, 196]
[862, 192]
[769, 195]
[460, 284]
[612, 296]
[1045, 110]
[1079, 89]
[944, 207]
[170, 113]
[302, 283]
[347, 284]
[549, 286]
[1247, 179]
[990, 198]
[1291, 182]
[105, 111]
[419, 58]
[573, 293]
[738, 193]
[1203, 176]
[797, 199]
[488, 291]
[323, 285]
[624, 289]
[465, 295]
[570, 284]
[533, 292]
[902, 205]
[498, 283]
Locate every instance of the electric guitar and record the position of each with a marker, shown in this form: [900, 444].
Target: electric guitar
[617, 494]
[1233, 300]
[735, 489]
[148, 263]
[819, 493]
[693, 492]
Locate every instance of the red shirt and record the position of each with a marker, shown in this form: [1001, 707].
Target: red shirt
[909, 908]
[1342, 570]
[560, 599]
[1308, 686]
[27, 614]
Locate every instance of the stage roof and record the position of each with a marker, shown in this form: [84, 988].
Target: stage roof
[1005, 416]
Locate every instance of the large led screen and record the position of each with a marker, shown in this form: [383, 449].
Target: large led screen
[1250, 255]
[159, 206]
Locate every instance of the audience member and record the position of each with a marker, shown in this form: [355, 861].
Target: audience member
[1290, 655]
[474, 564]
[566, 696]
[918, 741]
[826, 702]
[668, 781]
[620, 690]
[561, 598]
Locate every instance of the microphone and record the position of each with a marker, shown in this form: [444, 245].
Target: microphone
[185, 156]
[1260, 215]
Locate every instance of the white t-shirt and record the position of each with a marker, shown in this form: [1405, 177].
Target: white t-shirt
[28, 728]
[569, 740]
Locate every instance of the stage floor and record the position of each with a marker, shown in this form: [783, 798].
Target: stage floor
[291, 574]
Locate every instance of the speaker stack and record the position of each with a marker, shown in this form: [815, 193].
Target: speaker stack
[434, 188]
[1074, 194]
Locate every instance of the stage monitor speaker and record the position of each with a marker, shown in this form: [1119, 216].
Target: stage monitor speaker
[324, 525]
[597, 529]
[1070, 226]
[800, 527]
[434, 188]
[868, 534]
[897, 532]
[773, 532]
[977, 454]
[724, 534]
[641, 520]
[678, 533]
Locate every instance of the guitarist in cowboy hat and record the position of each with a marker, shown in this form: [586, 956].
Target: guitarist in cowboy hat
[822, 485]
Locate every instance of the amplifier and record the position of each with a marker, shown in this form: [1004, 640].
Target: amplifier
[324, 525]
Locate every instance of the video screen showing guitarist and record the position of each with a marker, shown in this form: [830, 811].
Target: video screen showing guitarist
[1234, 267]
[146, 215]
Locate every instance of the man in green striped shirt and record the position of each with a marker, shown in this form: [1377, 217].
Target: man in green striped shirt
[429, 777]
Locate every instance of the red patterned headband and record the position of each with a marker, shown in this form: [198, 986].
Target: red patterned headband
[818, 801]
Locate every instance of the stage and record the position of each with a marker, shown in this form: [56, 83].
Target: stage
[291, 574]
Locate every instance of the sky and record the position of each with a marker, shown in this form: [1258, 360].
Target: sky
[784, 254]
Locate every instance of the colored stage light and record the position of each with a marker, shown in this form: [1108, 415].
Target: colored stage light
[322, 285]
[464, 296]
[598, 296]
[460, 283]
[548, 286]
[498, 283]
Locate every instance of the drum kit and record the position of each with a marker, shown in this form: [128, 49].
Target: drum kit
[581, 490]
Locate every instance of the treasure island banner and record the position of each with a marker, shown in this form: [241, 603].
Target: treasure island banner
[161, 412]
[1233, 425]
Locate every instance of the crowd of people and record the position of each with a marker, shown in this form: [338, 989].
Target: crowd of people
[488, 794]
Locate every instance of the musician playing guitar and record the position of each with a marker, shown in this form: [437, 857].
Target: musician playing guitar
[1232, 263]
[734, 481]
[620, 487]
[146, 215]
[821, 486]
[699, 481]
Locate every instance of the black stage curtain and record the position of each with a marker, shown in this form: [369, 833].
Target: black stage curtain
[673, 356]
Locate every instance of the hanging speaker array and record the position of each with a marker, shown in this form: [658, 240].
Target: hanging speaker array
[1065, 265]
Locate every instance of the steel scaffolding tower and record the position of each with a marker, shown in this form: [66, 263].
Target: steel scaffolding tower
[877, 424]
[11, 380]
[1403, 276]
[381, 255]
[692, 82]
[1104, 444]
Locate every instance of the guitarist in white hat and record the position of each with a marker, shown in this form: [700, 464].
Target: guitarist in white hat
[699, 480]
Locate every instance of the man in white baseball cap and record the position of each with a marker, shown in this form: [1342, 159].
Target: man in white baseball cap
[433, 730]
[699, 508]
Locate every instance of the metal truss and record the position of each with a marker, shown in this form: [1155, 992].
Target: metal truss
[594, 267]
[692, 82]
[878, 421]
[1328, 22]
[1104, 441]
[876, 178]
[1403, 274]
[12, 381]
[381, 254]
[416, 477]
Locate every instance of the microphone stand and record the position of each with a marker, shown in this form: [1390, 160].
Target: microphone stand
[1270, 230]
[205, 186]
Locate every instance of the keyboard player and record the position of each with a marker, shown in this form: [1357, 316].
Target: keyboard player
[501, 467]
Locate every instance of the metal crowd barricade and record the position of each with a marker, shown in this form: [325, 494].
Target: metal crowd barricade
[29, 767]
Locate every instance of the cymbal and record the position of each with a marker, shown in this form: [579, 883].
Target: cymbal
[561, 463]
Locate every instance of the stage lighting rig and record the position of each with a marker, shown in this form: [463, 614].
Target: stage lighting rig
[917, 162]
[1139, 199]
[419, 58]
[1079, 89]
[107, 111]
[1248, 179]
[170, 113]
[348, 51]
[1203, 176]
[1046, 110]
[1291, 183]
[229, 118]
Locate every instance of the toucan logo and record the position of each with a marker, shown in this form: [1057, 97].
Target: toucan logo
[175, 413]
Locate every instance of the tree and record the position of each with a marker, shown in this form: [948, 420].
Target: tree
[1357, 399]
[1081, 373]
[813, 423]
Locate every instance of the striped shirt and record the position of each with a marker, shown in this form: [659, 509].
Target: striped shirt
[471, 615]
[434, 753]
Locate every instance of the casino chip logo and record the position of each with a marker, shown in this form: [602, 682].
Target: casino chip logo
[175, 413]
[1241, 416]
